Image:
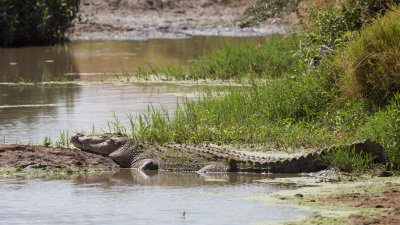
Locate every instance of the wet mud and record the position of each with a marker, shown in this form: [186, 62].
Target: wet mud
[35, 157]
[144, 19]
[388, 200]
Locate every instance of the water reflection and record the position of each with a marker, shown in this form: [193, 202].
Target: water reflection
[30, 63]
[178, 179]
[128, 197]
[105, 56]
[40, 111]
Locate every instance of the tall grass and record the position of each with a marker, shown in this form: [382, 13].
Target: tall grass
[272, 58]
[293, 107]
[384, 127]
[282, 111]
[370, 65]
[348, 160]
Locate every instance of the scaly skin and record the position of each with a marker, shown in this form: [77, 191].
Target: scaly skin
[128, 154]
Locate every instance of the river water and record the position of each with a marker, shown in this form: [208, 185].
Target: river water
[132, 197]
[30, 113]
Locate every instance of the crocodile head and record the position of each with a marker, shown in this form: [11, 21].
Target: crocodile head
[100, 144]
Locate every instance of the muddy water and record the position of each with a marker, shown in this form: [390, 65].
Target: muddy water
[131, 197]
[28, 114]
[102, 56]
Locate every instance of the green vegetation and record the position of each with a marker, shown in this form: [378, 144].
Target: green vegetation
[384, 127]
[348, 160]
[64, 140]
[369, 67]
[272, 58]
[353, 95]
[35, 22]
[334, 25]
[52, 172]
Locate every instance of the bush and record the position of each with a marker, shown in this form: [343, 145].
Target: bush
[333, 25]
[370, 65]
[33, 22]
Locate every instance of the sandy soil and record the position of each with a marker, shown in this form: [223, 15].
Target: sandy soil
[24, 156]
[387, 199]
[143, 19]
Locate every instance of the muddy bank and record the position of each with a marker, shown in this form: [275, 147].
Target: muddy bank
[388, 200]
[144, 19]
[342, 200]
[25, 156]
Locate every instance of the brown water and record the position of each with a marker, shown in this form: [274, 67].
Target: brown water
[33, 113]
[132, 197]
[102, 56]
[28, 114]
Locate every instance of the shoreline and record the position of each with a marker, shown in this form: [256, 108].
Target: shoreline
[142, 20]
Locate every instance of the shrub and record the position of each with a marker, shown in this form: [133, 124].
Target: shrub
[32, 22]
[370, 65]
[333, 24]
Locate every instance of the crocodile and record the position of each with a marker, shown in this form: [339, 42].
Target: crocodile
[191, 157]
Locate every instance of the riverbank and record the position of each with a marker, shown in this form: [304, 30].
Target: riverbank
[144, 19]
[50, 158]
[366, 200]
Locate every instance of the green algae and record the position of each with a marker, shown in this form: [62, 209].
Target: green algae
[313, 190]
[52, 172]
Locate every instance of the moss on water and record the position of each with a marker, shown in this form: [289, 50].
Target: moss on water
[52, 172]
[311, 197]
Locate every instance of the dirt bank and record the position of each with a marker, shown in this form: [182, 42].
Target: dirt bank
[24, 156]
[143, 19]
[369, 200]
[389, 200]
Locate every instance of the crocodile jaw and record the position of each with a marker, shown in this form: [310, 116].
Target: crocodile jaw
[104, 145]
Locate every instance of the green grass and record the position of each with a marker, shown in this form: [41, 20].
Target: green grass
[290, 106]
[348, 160]
[272, 58]
[384, 127]
[369, 67]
